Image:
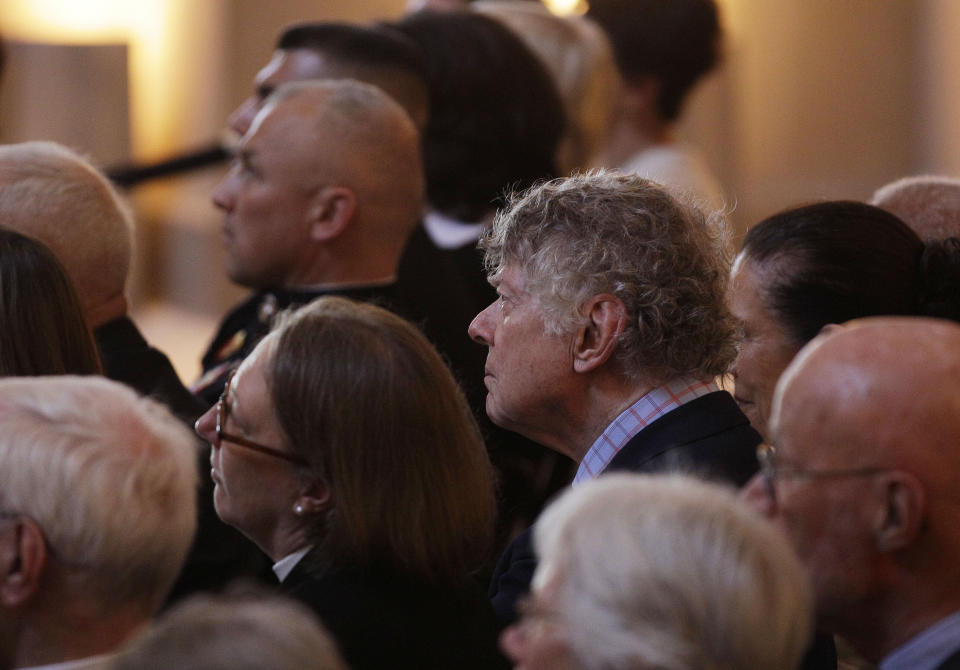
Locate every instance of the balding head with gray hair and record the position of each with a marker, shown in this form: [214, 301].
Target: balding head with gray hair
[929, 204]
[100, 485]
[54, 195]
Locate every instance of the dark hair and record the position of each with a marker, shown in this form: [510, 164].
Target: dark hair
[367, 401]
[42, 329]
[674, 41]
[495, 115]
[373, 46]
[836, 261]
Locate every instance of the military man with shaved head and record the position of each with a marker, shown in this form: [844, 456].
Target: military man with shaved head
[324, 190]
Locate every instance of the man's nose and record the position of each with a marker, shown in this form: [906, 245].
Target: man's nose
[242, 117]
[480, 329]
[206, 426]
[223, 194]
[512, 642]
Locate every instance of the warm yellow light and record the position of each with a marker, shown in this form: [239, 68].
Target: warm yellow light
[566, 7]
[147, 27]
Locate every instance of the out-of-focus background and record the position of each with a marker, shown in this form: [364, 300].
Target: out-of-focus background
[815, 99]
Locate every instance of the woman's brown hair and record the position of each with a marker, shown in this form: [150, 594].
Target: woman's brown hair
[42, 329]
[364, 397]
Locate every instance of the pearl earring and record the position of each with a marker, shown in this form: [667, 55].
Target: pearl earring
[298, 509]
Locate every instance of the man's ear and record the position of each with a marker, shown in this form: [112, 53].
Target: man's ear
[333, 209]
[23, 557]
[900, 516]
[597, 340]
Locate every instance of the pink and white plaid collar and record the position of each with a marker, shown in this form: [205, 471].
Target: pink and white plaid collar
[635, 418]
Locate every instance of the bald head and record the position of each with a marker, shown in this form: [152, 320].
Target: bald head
[928, 204]
[364, 141]
[50, 193]
[326, 188]
[889, 385]
[865, 479]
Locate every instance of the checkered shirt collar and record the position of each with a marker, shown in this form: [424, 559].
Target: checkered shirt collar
[635, 418]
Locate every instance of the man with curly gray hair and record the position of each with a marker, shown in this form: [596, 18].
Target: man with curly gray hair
[607, 336]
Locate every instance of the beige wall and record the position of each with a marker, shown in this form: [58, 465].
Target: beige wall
[817, 100]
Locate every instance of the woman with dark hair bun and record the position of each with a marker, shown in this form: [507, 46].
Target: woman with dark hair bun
[807, 267]
[43, 331]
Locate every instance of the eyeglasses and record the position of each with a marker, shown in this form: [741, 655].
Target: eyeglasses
[223, 414]
[773, 467]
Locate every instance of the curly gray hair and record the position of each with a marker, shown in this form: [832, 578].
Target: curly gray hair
[607, 232]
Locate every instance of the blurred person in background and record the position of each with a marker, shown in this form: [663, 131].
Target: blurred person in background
[578, 55]
[929, 204]
[663, 49]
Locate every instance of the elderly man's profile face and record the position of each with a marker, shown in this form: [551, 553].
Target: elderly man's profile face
[285, 66]
[526, 367]
[267, 196]
[824, 516]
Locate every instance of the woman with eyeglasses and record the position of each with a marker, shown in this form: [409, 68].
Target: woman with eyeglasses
[344, 449]
[828, 263]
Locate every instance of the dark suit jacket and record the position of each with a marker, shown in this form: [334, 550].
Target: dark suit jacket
[219, 553]
[952, 662]
[383, 619]
[127, 358]
[708, 436]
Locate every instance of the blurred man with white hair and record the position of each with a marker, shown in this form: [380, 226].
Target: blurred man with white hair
[863, 478]
[642, 571]
[97, 511]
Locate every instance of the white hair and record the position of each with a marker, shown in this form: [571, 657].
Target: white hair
[52, 194]
[110, 477]
[233, 633]
[673, 573]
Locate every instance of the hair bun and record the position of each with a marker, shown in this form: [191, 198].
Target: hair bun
[940, 279]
